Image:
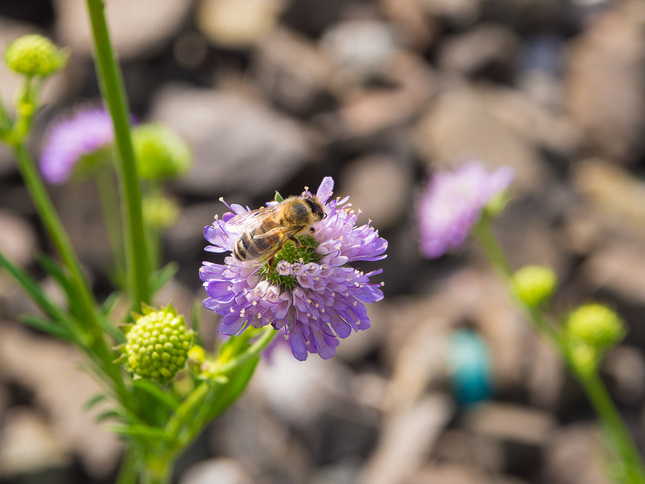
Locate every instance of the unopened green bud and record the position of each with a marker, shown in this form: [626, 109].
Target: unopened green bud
[157, 345]
[35, 55]
[595, 325]
[534, 285]
[160, 212]
[161, 153]
[585, 358]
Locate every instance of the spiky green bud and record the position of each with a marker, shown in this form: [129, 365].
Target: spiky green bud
[35, 55]
[595, 325]
[157, 344]
[534, 285]
[161, 153]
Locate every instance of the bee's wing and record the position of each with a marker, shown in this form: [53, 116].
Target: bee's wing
[244, 222]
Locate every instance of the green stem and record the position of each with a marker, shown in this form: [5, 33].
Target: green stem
[597, 393]
[137, 262]
[107, 191]
[128, 473]
[97, 345]
[158, 469]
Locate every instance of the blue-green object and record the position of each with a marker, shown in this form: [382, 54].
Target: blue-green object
[469, 368]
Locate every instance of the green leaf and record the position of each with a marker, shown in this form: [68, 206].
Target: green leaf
[157, 393]
[278, 198]
[229, 393]
[196, 321]
[47, 326]
[94, 401]
[35, 292]
[140, 431]
[164, 275]
[111, 414]
[59, 274]
[110, 303]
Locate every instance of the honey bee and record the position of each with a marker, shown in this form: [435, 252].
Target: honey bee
[263, 232]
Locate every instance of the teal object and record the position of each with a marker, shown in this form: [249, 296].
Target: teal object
[469, 368]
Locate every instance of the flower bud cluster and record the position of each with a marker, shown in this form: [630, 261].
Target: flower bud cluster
[157, 344]
[34, 55]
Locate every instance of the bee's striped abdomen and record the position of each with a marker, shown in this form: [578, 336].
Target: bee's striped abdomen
[240, 251]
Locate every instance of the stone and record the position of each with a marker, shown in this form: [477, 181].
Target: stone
[369, 112]
[414, 29]
[407, 438]
[50, 370]
[359, 47]
[237, 23]
[29, 446]
[508, 438]
[137, 29]
[487, 50]
[221, 470]
[380, 174]
[461, 127]
[293, 72]
[610, 53]
[17, 239]
[237, 144]
[575, 455]
[615, 197]
[625, 367]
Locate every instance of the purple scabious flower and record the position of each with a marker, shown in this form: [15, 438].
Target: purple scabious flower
[452, 203]
[311, 294]
[70, 139]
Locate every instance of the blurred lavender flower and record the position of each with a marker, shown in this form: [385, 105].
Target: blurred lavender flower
[71, 138]
[452, 204]
[313, 296]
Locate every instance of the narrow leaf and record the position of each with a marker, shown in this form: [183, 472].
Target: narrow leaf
[140, 431]
[95, 400]
[47, 326]
[164, 275]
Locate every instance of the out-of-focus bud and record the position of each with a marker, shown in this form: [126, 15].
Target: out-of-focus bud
[161, 153]
[534, 285]
[35, 55]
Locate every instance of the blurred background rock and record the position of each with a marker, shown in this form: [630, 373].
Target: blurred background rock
[276, 94]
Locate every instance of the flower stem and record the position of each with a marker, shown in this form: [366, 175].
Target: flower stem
[97, 346]
[137, 262]
[593, 386]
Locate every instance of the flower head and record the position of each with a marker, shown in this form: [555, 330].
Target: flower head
[72, 138]
[310, 291]
[34, 55]
[157, 344]
[452, 204]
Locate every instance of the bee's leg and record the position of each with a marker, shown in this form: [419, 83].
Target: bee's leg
[295, 241]
[271, 262]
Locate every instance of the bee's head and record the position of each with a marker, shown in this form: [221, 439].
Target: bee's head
[317, 208]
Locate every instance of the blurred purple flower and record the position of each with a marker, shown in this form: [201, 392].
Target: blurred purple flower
[326, 300]
[452, 203]
[70, 138]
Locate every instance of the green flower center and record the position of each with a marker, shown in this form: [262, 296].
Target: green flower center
[304, 254]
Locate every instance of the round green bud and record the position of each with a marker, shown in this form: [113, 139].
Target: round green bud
[160, 212]
[595, 325]
[534, 285]
[161, 153]
[149, 351]
[585, 358]
[34, 55]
